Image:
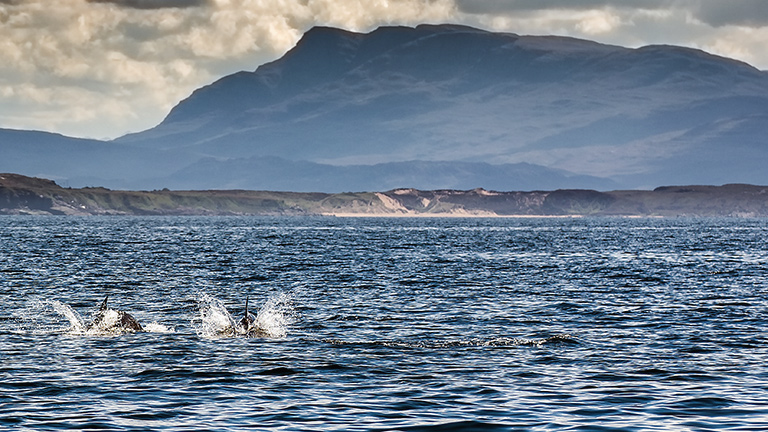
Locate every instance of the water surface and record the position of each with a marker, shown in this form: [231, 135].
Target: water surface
[385, 324]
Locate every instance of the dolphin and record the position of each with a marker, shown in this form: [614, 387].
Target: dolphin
[109, 323]
[247, 320]
[247, 325]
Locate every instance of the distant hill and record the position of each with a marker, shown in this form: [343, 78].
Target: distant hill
[444, 107]
[21, 195]
[84, 162]
[278, 174]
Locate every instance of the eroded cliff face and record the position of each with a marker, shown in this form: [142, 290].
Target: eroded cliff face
[24, 202]
[20, 194]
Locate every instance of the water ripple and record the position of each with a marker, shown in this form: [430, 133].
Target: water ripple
[380, 324]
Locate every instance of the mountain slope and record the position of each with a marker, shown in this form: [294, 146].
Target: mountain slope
[452, 93]
[273, 173]
[82, 162]
[438, 107]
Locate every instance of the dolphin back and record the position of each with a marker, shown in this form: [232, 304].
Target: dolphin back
[124, 321]
[99, 315]
[246, 321]
[128, 322]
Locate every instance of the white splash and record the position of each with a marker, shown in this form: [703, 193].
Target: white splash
[276, 315]
[45, 317]
[156, 327]
[214, 320]
[75, 320]
[105, 326]
[272, 320]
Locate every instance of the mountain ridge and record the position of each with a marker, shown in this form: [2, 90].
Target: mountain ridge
[636, 118]
[394, 79]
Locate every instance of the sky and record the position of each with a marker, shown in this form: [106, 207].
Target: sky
[104, 68]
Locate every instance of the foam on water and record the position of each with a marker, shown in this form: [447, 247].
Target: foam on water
[156, 327]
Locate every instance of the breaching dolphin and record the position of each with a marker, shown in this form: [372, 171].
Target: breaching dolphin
[109, 320]
[247, 325]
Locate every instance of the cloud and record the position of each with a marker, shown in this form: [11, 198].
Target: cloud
[715, 13]
[512, 6]
[748, 13]
[733, 29]
[154, 4]
[101, 68]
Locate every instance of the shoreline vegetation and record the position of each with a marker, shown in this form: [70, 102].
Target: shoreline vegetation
[22, 195]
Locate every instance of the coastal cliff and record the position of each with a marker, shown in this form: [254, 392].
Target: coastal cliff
[28, 195]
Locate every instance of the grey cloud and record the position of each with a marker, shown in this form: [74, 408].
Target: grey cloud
[751, 13]
[716, 13]
[509, 6]
[154, 4]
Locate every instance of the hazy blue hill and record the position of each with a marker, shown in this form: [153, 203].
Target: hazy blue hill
[82, 162]
[440, 106]
[453, 93]
[273, 173]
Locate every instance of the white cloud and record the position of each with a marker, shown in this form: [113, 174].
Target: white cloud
[102, 68]
[598, 22]
[694, 23]
[743, 43]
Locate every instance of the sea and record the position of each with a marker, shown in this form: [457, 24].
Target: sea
[384, 324]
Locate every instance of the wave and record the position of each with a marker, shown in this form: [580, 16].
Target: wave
[497, 342]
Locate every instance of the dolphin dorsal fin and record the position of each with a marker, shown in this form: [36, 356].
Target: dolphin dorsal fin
[246, 308]
[103, 306]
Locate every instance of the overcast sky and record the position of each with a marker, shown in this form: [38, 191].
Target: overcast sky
[102, 68]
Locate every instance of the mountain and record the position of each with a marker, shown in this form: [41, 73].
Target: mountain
[273, 173]
[83, 162]
[643, 117]
[449, 106]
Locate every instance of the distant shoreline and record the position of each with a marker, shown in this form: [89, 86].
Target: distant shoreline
[22, 195]
[450, 216]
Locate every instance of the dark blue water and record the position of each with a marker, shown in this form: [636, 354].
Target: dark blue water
[385, 324]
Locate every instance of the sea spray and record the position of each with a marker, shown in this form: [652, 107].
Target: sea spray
[214, 320]
[45, 317]
[276, 315]
[53, 316]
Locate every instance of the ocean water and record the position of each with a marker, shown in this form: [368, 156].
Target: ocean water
[384, 324]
